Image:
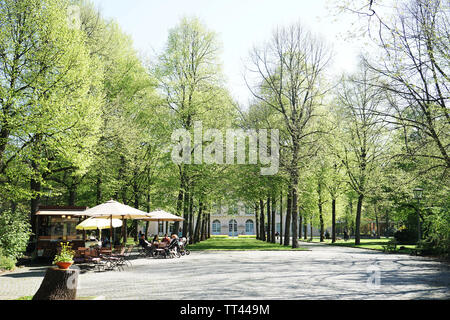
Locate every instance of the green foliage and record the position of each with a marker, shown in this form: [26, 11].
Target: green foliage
[66, 254]
[14, 233]
[6, 262]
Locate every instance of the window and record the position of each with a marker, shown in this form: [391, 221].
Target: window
[249, 227]
[216, 227]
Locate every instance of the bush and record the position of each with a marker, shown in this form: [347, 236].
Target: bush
[438, 239]
[15, 231]
[405, 236]
[7, 263]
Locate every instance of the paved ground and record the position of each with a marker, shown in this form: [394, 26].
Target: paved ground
[324, 272]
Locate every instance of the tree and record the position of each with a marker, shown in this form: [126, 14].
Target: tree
[49, 97]
[363, 135]
[290, 68]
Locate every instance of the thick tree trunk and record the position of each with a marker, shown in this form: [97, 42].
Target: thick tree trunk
[287, 228]
[262, 226]
[58, 285]
[311, 228]
[358, 220]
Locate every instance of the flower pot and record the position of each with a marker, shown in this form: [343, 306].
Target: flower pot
[64, 265]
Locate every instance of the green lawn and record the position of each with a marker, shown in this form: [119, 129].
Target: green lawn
[240, 243]
[373, 244]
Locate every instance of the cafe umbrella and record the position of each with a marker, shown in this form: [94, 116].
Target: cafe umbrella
[98, 224]
[161, 215]
[115, 210]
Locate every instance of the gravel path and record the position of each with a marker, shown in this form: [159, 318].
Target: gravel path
[323, 273]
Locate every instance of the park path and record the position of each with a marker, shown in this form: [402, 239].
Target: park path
[324, 273]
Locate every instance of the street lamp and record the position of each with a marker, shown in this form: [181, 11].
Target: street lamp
[418, 193]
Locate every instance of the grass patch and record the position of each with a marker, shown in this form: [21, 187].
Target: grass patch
[239, 244]
[371, 244]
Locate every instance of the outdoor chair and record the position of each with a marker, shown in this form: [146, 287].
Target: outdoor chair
[124, 257]
[110, 262]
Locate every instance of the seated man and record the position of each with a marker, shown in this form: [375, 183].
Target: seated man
[144, 243]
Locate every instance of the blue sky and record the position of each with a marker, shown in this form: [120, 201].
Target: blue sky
[240, 24]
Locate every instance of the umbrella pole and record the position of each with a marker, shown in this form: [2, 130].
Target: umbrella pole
[111, 235]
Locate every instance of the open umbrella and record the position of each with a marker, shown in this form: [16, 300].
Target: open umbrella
[160, 215]
[98, 224]
[114, 210]
[95, 223]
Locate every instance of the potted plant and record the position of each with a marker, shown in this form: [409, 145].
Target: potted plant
[64, 259]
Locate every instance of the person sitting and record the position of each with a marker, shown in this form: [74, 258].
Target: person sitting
[143, 243]
[155, 239]
[166, 239]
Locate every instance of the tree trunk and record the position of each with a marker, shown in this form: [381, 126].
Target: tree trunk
[300, 225]
[185, 213]
[311, 228]
[294, 207]
[198, 223]
[320, 205]
[274, 203]
[99, 189]
[305, 229]
[72, 195]
[358, 220]
[191, 217]
[209, 225]
[58, 285]
[35, 186]
[269, 220]
[203, 229]
[261, 221]
[333, 220]
[287, 228]
[281, 217]
[257, 221]
[176, 226]
[322, 231]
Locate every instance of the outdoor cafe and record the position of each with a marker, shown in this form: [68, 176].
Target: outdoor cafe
[71, 225]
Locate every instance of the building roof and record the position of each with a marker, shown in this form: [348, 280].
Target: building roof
[59, 211]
